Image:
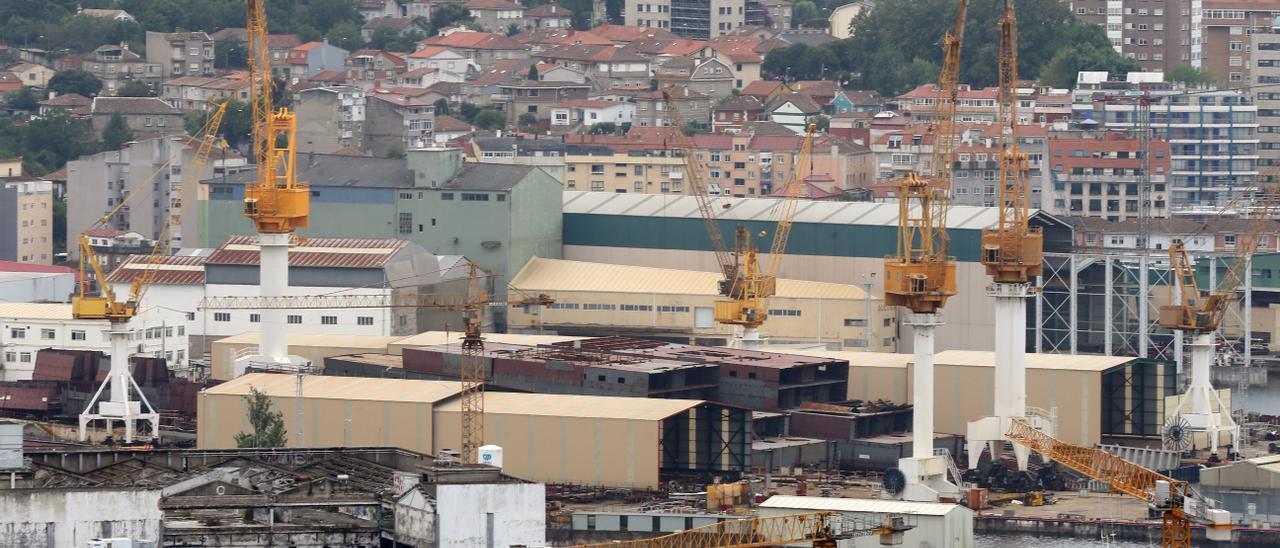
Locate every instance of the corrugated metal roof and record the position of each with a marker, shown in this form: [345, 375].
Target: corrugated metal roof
[866, 506]
[320, 252]
[340, 388]
[574, 406]
[1077, 362]
[855, 359]
[172, 270]
[555, 275]
[762, 209]
[435, 338]
[36, 311]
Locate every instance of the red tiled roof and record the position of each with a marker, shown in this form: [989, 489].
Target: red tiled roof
[931, 90]
[720, 142]
[309, 46]
[276, 41]
[329, 76]
[67, 100]
[319, 252]
[14, 266]
[171, 270]
[448, 124]
[428, 52]
[473, 40]
[775, 142]
[623, 33]
[761, 88]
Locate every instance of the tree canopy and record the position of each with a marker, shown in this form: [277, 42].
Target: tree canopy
[75, 81]
[266, 423]
[894, 42]
[135, 88]
[47, 143]
[1189, 75]
[116, 133]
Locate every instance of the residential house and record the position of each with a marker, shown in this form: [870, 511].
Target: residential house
[871, 101]
[762, 90]
[181, 53]
[446, 129]
[278, 44]
[330, 118]
[375, 9]
[484, 49]
[738, 53]
[312, 58]
[146, 116]
[854, 127]
[116, 64]
[9, 82]
[68, 102]
[496, 15]
[793, 110]
[426, 77]
[114, 247]
[710, 77]
[774, 14]
[440, 58]
[651, 108]
[607, 66]
[374, 69]
[548, 16]
[517, 97]
[32, 75]
[825, 93]
[197, 93]
[113, 14]
[402, 26]
[395, 122]
[730, 116]
[589, 112]
[626, 34]
[548, 72]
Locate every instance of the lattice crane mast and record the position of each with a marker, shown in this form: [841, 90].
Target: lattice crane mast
[921, 277]
[1178, 503]
[746, 285]
[821, 529]
[104, 306]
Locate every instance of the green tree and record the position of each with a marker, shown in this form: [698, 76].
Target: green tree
[804, 12]
[918, 71]
[533, 73]
[75, 81]
[449, 15]
[489, 119]
[267, 424]
[604, 128]
[821, 122]
[49, 141]
[513, 29]
[24, 99]
[116, 133]
[1061, 71]
[346, 35]
[396, 153]
[693, 128]
[468, 112]
[527, 121]
[135, 88]
[1188, 75]
[237, 123]
[60, 224]
[230, 54]
[442, 106]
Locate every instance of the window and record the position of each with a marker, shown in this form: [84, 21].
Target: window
[221, 316]
[564, 306]
[446, 195]
[328, 320]
[855, 322]
[784, 312]
[474, 197]
[17, 333]
[681, 309]
[182, 331]
[596, 306]
[295, 318]
[26, 357]
[11, 356]
[406, 222]
[48, 333]
[364, 320]
[636, 308]
[77, 335]
[255, 318]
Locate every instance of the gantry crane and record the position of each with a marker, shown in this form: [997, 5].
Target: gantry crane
[1178, 504]
[921, 276]
[746, 285]
[104, 306]
[821, 529]
[472, 364]
[1200, 316]
[1012, 252]
[276, 202]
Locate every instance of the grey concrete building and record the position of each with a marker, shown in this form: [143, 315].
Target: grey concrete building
[1250, 489]
[545, 154]
[651, 108]
[146, 116]
[181, 53]
[1159, 35]
[98, 182]
[330, 118]
[697, 19]
[312, 58]
[116, 64]
[496, 15]
[518, 97]
[26, 220]
[396, 122]
[496, 215]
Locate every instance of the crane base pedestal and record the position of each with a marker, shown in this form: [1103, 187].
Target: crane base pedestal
[926, 479]
[273, 364]
[751, 339]
[990, 432]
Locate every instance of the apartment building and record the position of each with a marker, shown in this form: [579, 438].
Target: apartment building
[700, 20]
[312, 58]
[651, 108]
[1095, 174]
[1227, 28]
[1264, 75]
[496, 15]
[330, 118]
[396, 123]
[534, 97]
[26, 220]
[371, 69]
[976, 171]
[198, 93]
[145, 116]
[1158, 35]
[600, 169]
[1213, 142]
[115, 64]
[484, 49]
[181, 53]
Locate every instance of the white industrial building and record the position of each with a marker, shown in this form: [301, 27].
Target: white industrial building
[933, 524]
[27, 328]
[317, 266]
[28, 283]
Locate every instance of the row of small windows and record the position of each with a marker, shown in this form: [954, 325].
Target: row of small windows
[48, 334]
[466, 196]
[624, 308]
[293, 319]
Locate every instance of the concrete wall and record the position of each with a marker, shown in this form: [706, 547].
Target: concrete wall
[70, 517]
[51, 287]
[503, 514]
[329, 422]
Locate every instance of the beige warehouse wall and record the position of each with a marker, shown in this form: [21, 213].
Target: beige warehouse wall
[549, 449]
[330, 422]
[969, 324]
[878, 383]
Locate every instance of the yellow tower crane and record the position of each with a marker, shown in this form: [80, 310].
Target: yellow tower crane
[103, 306]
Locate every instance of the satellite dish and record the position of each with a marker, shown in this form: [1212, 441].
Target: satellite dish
[1176, 433]
[893, 481]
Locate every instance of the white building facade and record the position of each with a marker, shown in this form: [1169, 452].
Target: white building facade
[28, 328]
